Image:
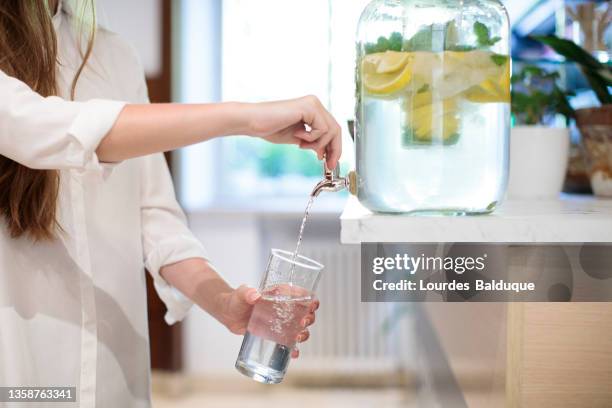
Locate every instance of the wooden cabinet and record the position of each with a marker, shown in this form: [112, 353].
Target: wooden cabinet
[559, 355]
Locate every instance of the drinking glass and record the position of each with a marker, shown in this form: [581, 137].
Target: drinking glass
[287, 291]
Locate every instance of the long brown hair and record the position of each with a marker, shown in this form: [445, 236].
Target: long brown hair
[28, 52]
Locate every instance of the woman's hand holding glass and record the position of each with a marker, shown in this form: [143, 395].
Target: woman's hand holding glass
[239, 306]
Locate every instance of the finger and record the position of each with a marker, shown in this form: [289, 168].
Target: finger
[303, 336]
[321, 142]
[295, 353]
[316, 147]
[314, 306]
[304, 135]
[334, 151]
[308, 320]
[293, 134]
[314, 117]
[319, 145]
[248, 294]
[253, 296]
[333, 147]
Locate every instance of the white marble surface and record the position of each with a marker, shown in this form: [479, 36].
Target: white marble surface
[570, 219]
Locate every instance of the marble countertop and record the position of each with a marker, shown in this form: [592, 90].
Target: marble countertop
[570, 219]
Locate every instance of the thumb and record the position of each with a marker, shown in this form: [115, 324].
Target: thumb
[248, 295]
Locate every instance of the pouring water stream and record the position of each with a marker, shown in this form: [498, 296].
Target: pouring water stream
[301, 235]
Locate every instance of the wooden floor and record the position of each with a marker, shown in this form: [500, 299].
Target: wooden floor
[288, 397]
[183, 391]
[189, 392]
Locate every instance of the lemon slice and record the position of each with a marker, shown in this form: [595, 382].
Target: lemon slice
[385, 84]
[435, 121]
[491, 90]
[369, 64]
[392, 61]
[421, 99]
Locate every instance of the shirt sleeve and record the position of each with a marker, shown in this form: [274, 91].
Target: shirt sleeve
[165, 235]
[50, 132]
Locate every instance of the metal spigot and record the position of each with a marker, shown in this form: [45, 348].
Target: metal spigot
[334, 183]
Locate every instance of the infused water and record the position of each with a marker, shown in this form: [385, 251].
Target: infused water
[272, 332]
[433, 131]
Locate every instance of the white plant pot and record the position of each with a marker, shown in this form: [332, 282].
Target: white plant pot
[538, 162]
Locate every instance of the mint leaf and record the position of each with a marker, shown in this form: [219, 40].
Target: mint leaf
[423, 40]
[483, 35]
[396, 41]
[424, 88]
[499, 60]
[381, 45]
[461, 48]
[393, 43]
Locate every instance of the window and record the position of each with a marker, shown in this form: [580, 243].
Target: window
[268, 50]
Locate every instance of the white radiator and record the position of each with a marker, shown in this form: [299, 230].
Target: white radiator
[348, 335]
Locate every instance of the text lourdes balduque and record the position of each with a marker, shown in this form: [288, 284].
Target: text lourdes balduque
[479, 285]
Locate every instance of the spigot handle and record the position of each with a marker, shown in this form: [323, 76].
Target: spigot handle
[331, 175]
[333, 181]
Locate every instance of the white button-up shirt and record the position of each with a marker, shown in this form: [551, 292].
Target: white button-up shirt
[73, 311]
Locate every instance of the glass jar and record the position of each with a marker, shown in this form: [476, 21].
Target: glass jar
[433, 106]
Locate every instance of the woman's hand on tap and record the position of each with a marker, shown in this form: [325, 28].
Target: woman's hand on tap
[303, 121]
[141, 130]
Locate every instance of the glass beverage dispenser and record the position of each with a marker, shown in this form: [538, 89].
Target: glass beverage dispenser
[433, 106]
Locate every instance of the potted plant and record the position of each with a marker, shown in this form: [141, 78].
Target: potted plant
[539, 150]
[595, 123]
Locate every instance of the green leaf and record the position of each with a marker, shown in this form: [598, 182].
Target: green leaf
[599, 86]
[461, 48]
[424, 88]
[370, 48]
[396, 41]
[570, 50]
[423, 39]
[482, 32]
[530, 104]
[499, 60]
[597, 74]
[393, 43]
[562, 105]
[606, 74]
[483, 35]
[383, 44]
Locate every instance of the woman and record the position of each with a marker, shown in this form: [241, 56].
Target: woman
[87, 202]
